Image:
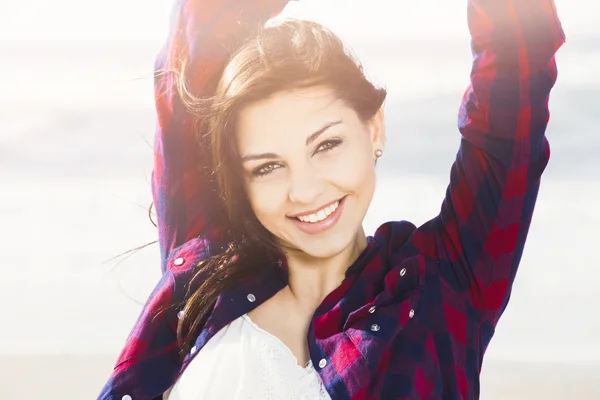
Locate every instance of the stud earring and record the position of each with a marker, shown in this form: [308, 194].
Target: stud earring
[378, 153]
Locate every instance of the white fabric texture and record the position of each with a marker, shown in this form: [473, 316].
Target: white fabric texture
[245, 362]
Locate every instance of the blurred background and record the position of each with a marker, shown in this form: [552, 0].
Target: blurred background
[77, 123]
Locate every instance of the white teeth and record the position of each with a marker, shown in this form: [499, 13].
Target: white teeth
[321, 214]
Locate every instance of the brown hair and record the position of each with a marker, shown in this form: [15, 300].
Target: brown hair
[292, 54]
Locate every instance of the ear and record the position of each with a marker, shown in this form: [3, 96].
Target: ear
[376, 127]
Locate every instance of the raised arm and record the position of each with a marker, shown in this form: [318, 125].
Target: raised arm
[480, 233]
[203, 33]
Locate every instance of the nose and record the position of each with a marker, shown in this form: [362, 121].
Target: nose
[306, 185]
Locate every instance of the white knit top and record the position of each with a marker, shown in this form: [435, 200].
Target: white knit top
[243, 361]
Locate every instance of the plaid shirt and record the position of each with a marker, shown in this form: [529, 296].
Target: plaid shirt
[417, 310]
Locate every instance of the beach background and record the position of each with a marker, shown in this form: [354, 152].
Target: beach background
[76, 127]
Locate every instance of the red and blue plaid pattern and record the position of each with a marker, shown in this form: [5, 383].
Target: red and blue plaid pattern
[417, 310]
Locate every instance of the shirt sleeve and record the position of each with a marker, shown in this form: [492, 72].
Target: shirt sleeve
[204, 32]
[150, 359]
[150, 353]
[480, 232]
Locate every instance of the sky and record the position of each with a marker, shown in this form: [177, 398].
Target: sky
[137, 20]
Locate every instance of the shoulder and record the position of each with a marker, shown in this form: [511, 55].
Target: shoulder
[393, 235]
[182, 259]
[158, 319]
[150, 356]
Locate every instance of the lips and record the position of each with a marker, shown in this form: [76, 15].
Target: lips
[319, 215]
[315, 211]
[319, 220]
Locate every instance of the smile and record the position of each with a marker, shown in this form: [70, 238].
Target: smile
[317, 221]
[321, 214]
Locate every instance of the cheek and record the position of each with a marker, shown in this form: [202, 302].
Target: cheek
[267, 201]
[354, 170]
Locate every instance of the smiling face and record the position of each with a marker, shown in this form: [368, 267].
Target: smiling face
[309, 168]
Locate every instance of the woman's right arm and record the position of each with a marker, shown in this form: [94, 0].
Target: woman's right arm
[185, 198]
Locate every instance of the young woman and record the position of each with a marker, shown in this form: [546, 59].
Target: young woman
[266, 151]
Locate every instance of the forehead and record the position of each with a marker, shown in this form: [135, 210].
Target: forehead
[290, 114]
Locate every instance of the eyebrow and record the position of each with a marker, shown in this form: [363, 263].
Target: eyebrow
[309, 140]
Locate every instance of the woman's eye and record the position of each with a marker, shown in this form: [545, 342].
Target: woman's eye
[329, 145]
[265, 169]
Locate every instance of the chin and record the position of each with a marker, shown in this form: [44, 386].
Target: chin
[322, 252]
[326, 247]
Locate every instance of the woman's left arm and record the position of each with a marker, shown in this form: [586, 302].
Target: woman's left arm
[481, 230]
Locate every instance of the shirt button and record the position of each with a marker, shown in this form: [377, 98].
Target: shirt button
[193, 350]
[403, 272]
[322, 363]
[375, 327]
[179, 261]
[411, 314]
[372, 310]
[180, 314]
[126, 397]
[251, 298]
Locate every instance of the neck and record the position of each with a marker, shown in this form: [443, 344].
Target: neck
[311, 279]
